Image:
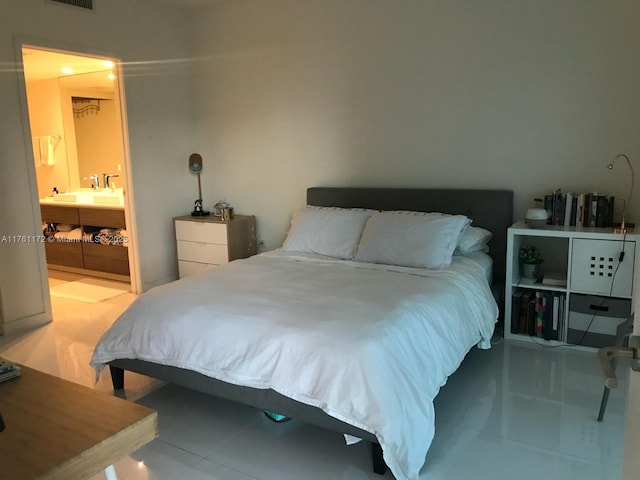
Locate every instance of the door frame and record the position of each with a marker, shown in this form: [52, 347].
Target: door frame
[119, 96]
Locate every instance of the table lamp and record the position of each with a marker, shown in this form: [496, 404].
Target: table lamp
[623, 227]
[195, 166]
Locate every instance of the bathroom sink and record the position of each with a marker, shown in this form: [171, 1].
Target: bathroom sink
[91, 197]
[65, 197]
[74, 197]
[105, 198]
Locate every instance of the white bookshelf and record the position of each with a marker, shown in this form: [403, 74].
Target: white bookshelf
[589, 258]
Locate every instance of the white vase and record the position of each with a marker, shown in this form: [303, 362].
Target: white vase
[530, 270]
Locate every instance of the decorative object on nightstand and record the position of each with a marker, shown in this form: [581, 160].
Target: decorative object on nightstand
[623, 226]
[530, 258]
[536, 217]
[223, 210]
[195, 166]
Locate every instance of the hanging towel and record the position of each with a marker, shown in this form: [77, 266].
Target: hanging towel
[45, 150]
[36, 151]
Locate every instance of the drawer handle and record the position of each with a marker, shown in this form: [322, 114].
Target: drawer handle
[599, 308]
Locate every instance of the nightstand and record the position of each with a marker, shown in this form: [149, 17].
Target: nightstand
[203, 242]
[590, 292]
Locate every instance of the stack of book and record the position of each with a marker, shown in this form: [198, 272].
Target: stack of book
[8, 370]
[538, 313]
[579, 210]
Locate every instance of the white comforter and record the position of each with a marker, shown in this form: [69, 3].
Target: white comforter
[369, 344]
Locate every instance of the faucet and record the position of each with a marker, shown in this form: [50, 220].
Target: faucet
[96, 180]
[107, 177]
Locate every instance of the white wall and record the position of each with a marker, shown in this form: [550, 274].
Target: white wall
[529, 96]
[144, 34]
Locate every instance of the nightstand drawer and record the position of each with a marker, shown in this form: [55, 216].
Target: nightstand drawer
[201, 232]
[202, 252]
[187, 268]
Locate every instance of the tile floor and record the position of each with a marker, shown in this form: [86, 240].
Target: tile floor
[517, 411]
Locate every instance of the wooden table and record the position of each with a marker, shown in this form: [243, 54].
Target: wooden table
[56, 429]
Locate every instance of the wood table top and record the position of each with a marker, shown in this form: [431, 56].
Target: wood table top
[57, 429]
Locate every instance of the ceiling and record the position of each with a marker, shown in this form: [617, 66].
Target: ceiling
[88, 72]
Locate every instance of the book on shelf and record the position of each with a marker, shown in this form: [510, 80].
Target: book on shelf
[560, 333]
[568, 203]
[601, 211]
[580, 210]
[610, 205]
[555, 317]
[538, 313]
[558, 208]
[548, 316]
[526, 311]
[548, 206]
[594, 210]
[516, 301]
[572, 209]
[585, 211]
[557, 279]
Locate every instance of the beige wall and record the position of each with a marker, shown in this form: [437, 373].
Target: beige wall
[529, 96]
[525, 95]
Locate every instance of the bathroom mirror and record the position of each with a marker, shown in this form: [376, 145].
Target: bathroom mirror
[92, 128]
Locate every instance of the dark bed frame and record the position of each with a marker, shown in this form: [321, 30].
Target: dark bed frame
[490, 209]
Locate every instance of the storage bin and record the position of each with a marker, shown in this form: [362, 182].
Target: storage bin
[607, 314]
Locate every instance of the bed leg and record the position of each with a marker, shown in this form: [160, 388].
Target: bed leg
[379, 466]
[117, 377]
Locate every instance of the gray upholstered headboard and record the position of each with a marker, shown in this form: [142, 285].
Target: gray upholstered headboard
[490, 209]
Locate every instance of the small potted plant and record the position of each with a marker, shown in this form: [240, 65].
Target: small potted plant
[530, 258]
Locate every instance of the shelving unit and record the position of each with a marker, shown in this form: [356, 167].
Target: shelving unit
[598, 295]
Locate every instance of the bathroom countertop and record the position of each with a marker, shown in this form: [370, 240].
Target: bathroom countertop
[50, 201]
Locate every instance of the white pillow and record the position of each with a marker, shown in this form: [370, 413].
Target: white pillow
[329, 231]
[423, 241]
[473, 239]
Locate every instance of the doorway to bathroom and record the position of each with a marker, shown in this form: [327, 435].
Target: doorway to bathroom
[80, 150]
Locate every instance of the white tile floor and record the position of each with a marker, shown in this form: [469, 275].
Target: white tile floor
[518, 411]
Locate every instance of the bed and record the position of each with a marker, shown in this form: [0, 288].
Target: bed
[315, 395]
